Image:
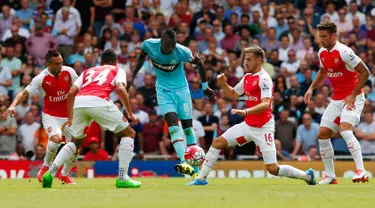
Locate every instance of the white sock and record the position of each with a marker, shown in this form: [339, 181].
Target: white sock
[125, 154]
[354, 148]
[69, 164]
[65, 154]
[326, 153]
[50, 153]
[292, 172]
[209, 162]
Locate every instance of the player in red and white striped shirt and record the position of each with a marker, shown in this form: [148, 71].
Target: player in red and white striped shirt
[54, 84]
[348, 74]
[89, 97]
[259, 125]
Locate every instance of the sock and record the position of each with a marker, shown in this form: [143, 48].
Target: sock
[125, 154]
[65, 154]
[69, 164]
[292, 172]
[354, 148]
[50, 153]
[209, 162]
[178, 142]
[326, 153]
[190, 141]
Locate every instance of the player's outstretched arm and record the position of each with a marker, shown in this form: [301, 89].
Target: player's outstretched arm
[17, 100]
[320, 76]
[229, 91]
[263, 106]
[138, 65]
[124, 98]
[202, 73]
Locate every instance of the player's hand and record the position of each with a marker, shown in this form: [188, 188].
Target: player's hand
[134, 119]
[129, 83]
[67, 123]
[238, 112]
[349, 102]
[9, 112]
[210, 93]
[307, 97]
[221, 79]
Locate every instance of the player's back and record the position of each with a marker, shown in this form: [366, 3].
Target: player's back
[96, 84]
[169, 68]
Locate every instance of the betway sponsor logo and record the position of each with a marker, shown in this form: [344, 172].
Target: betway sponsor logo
[164, 67]
[252, 98]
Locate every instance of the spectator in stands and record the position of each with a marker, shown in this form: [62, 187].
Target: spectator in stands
[353, 12]
[22, 109]
[272, 43]
[274, 59]
[5, 80]
[38, 50]
[330, 12]
[284, 49]
[25, 14]
[8, 130]
[149, 91]
[320, 103]
[110, 24]
[141, 115]
[280, 152]
[73, 15]
[152, 133]
[343, 25]
[65, 29]
[230, 40]
[14, 65]
[307, 49]
[26, 130]
[292, 64]
[361, 35]
[5, 20]
[210, 123]
[79, 56]
[294, 90]
[195, 89]
[35, 109]
[95, 153]
[40, 138]
[20, 30]
[307, 135]
[312, 154]
[281, 26]
[15, 38]
[285, 131]
[366, 133]
[102, 8]
[40, 152]
[217, 30]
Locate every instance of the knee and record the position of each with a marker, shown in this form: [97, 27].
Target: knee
[220, 143]
[129, 132]
[273, 169]
[325, 133]
[345, 126]
[56, 139]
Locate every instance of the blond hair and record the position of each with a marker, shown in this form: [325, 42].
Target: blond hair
[257, 51]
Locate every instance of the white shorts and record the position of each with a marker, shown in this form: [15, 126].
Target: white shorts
[241, 134]
[109, 117]
[53, 124]
[336, 113]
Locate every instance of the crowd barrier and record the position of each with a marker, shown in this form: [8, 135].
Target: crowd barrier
[223, 169]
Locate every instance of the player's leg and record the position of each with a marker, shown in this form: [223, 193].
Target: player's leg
[80, 121]
[53, 130]
[233, 136]
[191, 140]
[112, 119]
[349, 119]
[68, 164]
[328, 127]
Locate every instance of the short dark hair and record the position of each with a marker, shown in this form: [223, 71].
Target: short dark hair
[109, 57]
[170, 33]
[328, 25]
[52, 53]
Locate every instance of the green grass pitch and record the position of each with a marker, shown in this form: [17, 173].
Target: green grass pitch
[171, 192]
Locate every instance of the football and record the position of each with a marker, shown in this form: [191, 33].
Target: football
[194, 155]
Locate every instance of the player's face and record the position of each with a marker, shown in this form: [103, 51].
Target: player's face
[251, 62]
[55, 65]
[168, 45]
[326, 39]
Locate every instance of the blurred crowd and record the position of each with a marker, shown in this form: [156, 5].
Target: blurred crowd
[216, 30]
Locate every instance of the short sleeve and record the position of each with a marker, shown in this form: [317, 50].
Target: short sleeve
[120, 76]
[7, 73]
[266, 86]
[79, 82]
[73, 74]
[187, 55]
[320, 60]
[146, 46]
[350, 59]
[35, 83]
[239, 88]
